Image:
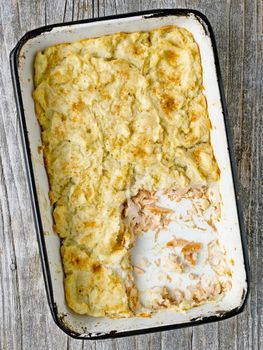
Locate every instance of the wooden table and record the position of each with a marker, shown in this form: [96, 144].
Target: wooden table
[25, 320]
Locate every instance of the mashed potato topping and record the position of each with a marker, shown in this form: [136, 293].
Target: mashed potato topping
[119, 114]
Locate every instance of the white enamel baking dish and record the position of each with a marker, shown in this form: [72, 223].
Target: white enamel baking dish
[230, 229]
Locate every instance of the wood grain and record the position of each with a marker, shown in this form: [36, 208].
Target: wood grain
[25, 320]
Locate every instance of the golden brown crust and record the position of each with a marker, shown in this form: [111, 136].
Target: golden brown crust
[118, 114]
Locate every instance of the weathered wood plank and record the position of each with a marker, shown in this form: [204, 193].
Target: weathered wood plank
[25, 321]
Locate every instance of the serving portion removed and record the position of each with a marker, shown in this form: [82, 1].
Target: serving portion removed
[126, 138]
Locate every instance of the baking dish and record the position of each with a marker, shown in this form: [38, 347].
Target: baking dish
[233, 239]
